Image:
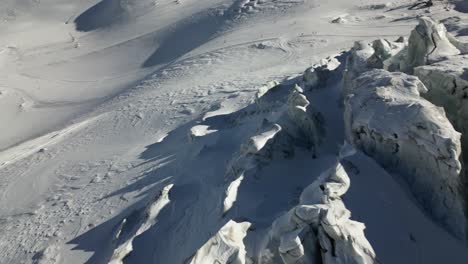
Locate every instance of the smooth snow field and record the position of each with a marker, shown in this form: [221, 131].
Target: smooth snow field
[233, 131]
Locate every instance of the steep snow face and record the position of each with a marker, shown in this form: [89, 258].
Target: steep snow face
[386, 118]
[428, 43]
[320, 228]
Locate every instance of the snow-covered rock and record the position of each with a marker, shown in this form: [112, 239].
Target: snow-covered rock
[387, 119]
[320, 226]
[428, 43]
[226, 246]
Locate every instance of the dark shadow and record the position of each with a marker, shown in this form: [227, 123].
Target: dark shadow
[462, 32]
[408, 18]
[421, 5]
[461, 6]
[398, 8]
[100, 239]
[186, 36]
[101, 15]
[464, 76]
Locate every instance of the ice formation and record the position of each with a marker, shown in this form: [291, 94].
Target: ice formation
[356, 63]
[386, 118]
[428, 43]
[447, 83]
[225, 247]
[306, 119]
[320, 228]
[317, 76]
[126, 233]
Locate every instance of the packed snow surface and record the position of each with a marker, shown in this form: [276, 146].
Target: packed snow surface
[233, 131]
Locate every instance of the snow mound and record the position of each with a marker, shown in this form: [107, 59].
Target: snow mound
[386, 118]
[320, 226]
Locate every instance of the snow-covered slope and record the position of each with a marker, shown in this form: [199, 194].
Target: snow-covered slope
[184, 131]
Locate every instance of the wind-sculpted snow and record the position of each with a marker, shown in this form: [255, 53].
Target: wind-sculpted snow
[386, 118]
[319, 229]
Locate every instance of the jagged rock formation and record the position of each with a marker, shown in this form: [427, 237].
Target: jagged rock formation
[319, 229]
[225, 247]
[386, 118]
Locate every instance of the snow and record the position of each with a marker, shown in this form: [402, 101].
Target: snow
[146, 131]
[322, 214]
[386, 117]
[225, 247]
[428, 43]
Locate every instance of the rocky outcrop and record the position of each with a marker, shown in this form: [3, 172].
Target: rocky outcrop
[387, 119]
[319, 229]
